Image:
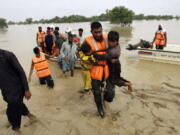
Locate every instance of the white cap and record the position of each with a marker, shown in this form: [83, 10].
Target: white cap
[68, 30]
[73, 33]
[52, 26]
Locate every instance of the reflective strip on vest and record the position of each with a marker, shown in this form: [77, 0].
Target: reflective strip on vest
[96, 46]
[106, 42]
[98, 72]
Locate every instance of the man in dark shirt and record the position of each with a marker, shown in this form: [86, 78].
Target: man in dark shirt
[14, 87]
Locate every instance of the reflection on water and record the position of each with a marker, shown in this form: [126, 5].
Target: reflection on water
[3, 31]
[125, 32]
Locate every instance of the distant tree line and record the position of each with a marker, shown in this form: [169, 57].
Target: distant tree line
[117, 15]
[155, 17]
[3, 23]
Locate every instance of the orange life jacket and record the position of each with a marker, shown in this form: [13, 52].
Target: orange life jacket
[98, 72]
[41, 66]
[41, 36]
[160, 38]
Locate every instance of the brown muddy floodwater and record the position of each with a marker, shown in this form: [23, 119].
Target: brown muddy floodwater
[152, 109]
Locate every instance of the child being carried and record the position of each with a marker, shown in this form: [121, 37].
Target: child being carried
[112, 56]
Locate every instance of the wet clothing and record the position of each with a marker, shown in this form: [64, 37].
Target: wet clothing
[86, 69]
[81, 39]
[47, 80]
[12, 77]
[58, 40]
[15, 111]
[114, 67]
[13, 83]
[109, 92]
[68, 51]
[160, 38]
[86, 79]
[159, 47]
[66, 65]
[49, 42]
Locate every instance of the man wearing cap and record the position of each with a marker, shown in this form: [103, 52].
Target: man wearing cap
[160, 38]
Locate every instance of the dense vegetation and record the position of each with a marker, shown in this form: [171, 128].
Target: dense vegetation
[119, 15]
[3, 23]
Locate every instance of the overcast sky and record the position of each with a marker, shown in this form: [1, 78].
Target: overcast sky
[19, 10]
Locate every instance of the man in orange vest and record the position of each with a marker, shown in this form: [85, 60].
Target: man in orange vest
[160, 38]
[40, 38]
[40, 64]
[98, 42]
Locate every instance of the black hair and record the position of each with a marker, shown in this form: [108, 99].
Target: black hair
[96, 25]
[113, 36]
[39, 27]
[48, 28]
[36, 50]
[80, 29]
[85, 47]
[56, 28]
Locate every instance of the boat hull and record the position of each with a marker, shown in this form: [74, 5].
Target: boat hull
[159, 55]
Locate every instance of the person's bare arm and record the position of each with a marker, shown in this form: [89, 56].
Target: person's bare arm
[165, 38]
[154, 38]
[31, 71]
[37, 38]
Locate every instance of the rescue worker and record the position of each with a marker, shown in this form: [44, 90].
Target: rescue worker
[40, 36]
[49, 42]
[160, 38]
[40, 64]
[14, 87]
[98, 41]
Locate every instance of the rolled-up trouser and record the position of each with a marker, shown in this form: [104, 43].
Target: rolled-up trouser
[14, 112]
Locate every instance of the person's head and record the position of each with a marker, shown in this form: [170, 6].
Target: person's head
[80, 31]
[52, 28]
[96, 30]
[48, 30]
[68, 30]
[113, 38]
[70, 38]
[40, 28]
[56, 28]
[160, 27]
[36, 51]
[86, 49]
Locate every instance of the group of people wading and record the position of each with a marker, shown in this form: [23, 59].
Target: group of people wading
[99, 55]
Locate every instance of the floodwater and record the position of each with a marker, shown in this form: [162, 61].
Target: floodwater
[64, 111]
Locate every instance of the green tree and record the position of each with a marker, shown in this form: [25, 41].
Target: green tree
[28, 21]
[121, 15]
[11, 23]
[3, 23]
[139, 17]
[177, 17]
